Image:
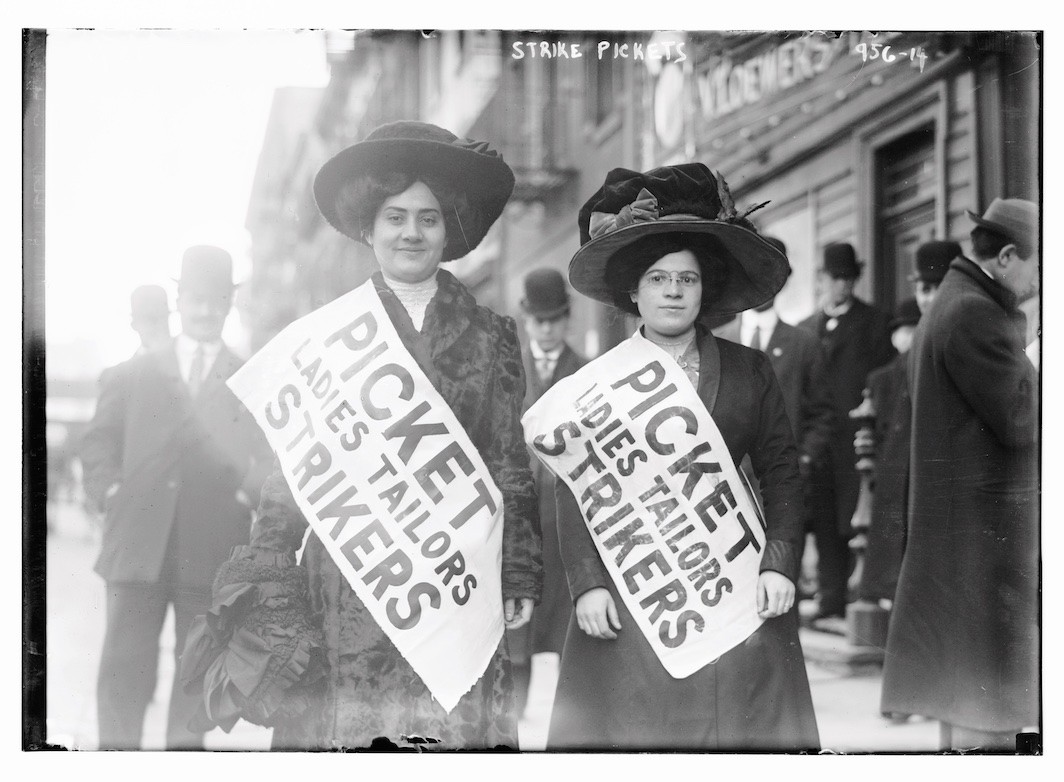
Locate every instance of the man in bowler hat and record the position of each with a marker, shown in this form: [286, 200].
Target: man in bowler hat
[963, 642]
[548, 358]
[150, 317]
[176, 462]
[855, 338]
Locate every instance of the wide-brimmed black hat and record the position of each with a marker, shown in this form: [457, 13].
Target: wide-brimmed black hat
[907, 313]
[545, 294]
[1013, 218]
[206, 268]
[840, 261]
[932, 260]
[471, 167]
[683, 199]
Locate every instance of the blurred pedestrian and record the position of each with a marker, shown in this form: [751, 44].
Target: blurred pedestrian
[855, 338]
[888, 388]
[963, 641]
[150, 317]
[548, 358]
[669, 246]
[176, 462]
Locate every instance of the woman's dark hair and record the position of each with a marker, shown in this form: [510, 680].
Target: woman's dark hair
[986, 243]
[629, 264]
[359, 201]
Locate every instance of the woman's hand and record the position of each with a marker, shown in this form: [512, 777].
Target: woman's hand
[517, 611]
[775, 594]
[596, 613]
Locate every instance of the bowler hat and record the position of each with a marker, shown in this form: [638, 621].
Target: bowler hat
[206, 268]
[685, 199]
[470, 167]
[907, 313]
[148, 302]
[840, 261]
[1013, 218]
[545, 294]
[932, 260]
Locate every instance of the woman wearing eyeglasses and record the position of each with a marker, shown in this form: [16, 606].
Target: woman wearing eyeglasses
[669, 246]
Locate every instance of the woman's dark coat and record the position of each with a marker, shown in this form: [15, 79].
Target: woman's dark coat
[963, 640]
[615, 694]
[473, 358]
[889, 389]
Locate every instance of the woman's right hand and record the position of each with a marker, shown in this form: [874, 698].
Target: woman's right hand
[596, 613]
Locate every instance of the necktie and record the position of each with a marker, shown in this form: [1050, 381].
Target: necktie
[755, 338]
[544, 368]
[195, 374]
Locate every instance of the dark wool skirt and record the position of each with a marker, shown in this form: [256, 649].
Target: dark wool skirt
[615, 695]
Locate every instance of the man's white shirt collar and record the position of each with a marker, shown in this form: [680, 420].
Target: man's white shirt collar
[766, 321]
[186, 347]
[538, 353]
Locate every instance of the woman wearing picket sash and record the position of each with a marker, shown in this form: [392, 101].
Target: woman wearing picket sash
[669, 246]
[418, 196]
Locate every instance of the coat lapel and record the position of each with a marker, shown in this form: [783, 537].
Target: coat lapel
[708, 367]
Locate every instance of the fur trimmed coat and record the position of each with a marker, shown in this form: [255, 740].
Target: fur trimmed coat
[473, 358]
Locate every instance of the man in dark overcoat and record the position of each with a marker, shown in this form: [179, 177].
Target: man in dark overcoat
[547, 358]
[855, 338]
[888, 389]
[963, 641]
[176, 462]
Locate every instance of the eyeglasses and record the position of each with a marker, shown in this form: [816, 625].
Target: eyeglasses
[659, 279]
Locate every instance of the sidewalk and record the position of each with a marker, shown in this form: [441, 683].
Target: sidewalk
[847, 705]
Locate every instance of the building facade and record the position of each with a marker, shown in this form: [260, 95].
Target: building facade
[879, 140]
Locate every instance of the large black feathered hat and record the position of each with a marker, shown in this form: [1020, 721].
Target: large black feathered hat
[471, 167]
[683, 199]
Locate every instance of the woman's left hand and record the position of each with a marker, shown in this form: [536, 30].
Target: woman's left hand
[775, 594]
[517, 611]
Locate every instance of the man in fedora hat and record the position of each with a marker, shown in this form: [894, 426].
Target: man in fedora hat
[855, 338]
[176, 462]
[963, 641]
[547, 358]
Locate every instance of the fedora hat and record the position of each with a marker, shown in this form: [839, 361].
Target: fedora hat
[471, 167]
[206, 268]
[545, 294]
[1013, 218]
[686, 199]
[932, 260]
[840, 261]
[149, 302]
[906, 313]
